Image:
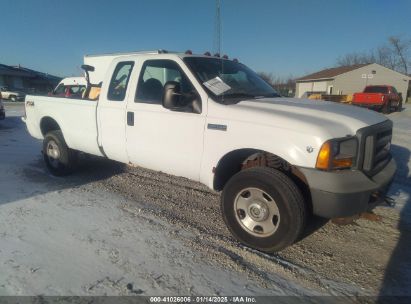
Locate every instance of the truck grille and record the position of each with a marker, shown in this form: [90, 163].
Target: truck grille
[375, 144]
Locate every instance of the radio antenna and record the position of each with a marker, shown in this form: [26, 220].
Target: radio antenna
[217, 28]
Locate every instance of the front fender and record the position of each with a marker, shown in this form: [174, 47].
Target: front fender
[296, 148]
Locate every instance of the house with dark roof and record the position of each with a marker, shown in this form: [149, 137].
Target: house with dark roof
[25, 79]
[350, 79]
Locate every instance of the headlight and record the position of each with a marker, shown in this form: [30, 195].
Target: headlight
[337, 154]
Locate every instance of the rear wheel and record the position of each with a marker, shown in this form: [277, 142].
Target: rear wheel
[386, 108]
[263, 209]
[59, 159]
[399, 108]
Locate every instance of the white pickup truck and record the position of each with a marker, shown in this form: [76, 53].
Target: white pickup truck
[213, 120]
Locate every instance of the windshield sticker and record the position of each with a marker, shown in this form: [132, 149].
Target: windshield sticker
[217, 86]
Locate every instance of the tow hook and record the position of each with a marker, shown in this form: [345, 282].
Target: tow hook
[371, 216]
[389, 201]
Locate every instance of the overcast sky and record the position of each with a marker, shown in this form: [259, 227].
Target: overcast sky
[279, 37]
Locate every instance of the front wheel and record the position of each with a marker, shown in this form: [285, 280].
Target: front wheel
[263, 208]
[59, 159]
[386, 108]
[13, 98]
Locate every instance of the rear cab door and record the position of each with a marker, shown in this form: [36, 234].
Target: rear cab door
[111, 110]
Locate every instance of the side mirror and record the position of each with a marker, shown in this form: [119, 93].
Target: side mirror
[172, 97]
[87, 68]
[175, 100]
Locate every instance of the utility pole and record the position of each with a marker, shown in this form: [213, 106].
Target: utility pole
[217, 28]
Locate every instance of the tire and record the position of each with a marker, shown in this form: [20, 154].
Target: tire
[13, 98]
[386, 108]
[279, 203]
[60, 159]
[399, 108]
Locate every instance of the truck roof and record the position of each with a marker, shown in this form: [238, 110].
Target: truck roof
[73, 81]
[126, 53]
[101, 62]
[379, 85]
[155, 52]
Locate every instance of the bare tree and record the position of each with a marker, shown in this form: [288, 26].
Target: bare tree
[268, 77]
[394, 55]
[401, 48]
[355, 58]
[386, 57]
[283, 85]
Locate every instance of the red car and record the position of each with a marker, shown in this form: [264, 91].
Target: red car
[381, 97]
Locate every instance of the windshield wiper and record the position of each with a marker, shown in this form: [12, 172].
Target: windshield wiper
[268, 95]
[238, 95]
[247, 95]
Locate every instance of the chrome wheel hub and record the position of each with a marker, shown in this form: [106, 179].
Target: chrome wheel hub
[53, 150]
[256, 212]
[53, 153]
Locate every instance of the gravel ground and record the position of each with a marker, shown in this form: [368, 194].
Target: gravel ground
[341, 259]
[361, 258]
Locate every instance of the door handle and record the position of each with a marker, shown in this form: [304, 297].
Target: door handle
[130, 118]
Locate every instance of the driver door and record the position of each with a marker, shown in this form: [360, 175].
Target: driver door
[158, 138]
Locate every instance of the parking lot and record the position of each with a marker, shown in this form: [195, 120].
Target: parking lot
[118, 230]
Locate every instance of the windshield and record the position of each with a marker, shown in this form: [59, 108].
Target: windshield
[376, 89]
[228, 81]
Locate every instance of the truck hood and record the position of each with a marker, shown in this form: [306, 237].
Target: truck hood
[315, 117]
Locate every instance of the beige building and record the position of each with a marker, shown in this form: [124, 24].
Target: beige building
[351, 79]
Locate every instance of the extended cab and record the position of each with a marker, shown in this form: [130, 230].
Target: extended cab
[277, 160]
[381, 97]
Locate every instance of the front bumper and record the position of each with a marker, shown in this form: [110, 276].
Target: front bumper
[347, 192]
[368, 105]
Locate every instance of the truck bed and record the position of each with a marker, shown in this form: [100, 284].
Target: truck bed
[66, 112]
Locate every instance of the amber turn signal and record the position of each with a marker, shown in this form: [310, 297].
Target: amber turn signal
[330, 158]
[323, 159]
[342, 163]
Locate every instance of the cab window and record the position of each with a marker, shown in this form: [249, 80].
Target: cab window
[60, 90]
[154, 75]
[119, 81]
[76, 91]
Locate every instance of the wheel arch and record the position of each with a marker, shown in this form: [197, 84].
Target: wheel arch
[48, 124]
[240, 159]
